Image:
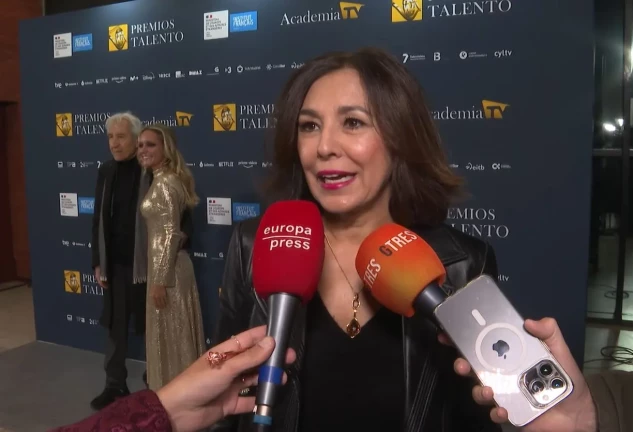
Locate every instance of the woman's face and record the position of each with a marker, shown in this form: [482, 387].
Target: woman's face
[343, 156]
[151, 152]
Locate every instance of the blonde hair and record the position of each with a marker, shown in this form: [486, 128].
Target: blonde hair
[175, 161]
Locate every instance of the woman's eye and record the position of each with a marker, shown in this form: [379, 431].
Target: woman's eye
[353, 123]
[307, 126]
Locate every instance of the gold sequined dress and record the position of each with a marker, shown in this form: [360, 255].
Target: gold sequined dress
[174, 335]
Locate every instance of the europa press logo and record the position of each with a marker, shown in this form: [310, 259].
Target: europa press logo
[288, 236]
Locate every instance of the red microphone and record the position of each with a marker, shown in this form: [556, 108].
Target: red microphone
[401, 270]
[287, 260]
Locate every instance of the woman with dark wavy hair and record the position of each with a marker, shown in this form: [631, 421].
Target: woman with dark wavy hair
[354, 135]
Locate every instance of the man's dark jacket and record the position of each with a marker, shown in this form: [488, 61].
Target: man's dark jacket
[106, 178]
[428, 365]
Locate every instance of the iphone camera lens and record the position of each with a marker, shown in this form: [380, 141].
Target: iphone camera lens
[537, 386]
[557, 383]
[546, 369]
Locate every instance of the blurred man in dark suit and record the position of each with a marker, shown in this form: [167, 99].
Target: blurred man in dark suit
[113, 253]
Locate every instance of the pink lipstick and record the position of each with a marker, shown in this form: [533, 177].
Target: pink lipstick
[332, 179]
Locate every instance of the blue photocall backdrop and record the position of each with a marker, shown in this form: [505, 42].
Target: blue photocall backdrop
[509, 82]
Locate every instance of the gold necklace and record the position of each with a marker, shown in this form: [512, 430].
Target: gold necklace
[353, 327]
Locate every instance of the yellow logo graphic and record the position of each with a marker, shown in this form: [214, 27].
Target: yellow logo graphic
[72, 281]
[350, 10]
[117, 37]
[224, 118]
[183, 118]
[493, 110]
[64, 125]
[406, 10]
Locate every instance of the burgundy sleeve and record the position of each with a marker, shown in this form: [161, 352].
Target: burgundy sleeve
[140, 411]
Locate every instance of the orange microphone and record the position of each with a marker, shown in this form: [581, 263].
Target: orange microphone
[401, 270]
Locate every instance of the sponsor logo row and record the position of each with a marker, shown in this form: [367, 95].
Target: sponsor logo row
[220, 24]
[230, 117]
[220, 211]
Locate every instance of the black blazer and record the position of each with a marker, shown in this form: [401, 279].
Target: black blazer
[431, 384]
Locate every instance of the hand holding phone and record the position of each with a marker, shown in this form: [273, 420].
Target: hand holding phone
[405, 275]
[525, 377]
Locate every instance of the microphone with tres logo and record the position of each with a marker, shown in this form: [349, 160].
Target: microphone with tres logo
[401, 271]
[288, 257]
[405, 275]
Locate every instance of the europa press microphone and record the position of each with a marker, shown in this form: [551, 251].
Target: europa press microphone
[405, 275]
[287, 261]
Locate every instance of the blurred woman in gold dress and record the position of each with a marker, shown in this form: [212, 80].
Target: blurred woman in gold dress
[174, 333]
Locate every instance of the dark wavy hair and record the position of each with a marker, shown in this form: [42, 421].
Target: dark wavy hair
[422, 183]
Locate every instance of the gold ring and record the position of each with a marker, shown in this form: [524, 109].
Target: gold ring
[217, 358]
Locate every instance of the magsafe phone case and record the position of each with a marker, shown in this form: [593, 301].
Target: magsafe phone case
[487, 330]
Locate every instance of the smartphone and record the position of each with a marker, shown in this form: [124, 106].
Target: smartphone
[487, 330]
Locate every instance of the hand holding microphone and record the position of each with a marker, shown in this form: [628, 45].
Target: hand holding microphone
[288, 257]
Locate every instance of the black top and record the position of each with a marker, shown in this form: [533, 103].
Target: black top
[352, 384]
[124, 203]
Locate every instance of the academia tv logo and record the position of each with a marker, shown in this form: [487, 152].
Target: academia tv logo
[224, 118]
[489, 110]
[72, 281]
[118, 37]
[493, 110]
[406, 10]
[346, 10]
[64, 125]
[183, 119]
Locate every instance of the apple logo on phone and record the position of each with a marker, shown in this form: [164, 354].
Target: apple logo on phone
[501, 347]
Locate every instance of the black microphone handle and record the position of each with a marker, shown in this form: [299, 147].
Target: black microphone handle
[261, 427]
[429, 299]
[282, 308]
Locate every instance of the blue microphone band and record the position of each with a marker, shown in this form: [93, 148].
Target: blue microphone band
[271, 374]
[262, 419]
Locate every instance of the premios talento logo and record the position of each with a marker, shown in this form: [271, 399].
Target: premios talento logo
[229, 117]
[415, 10]
[64, 125]
[122, 37]
[224, 118]
[406, 10]
[118, 37]
[76, 283]
[72, 281]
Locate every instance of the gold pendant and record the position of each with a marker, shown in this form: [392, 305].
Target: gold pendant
[353, 327]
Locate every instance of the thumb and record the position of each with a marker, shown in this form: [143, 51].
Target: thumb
[252, 357]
